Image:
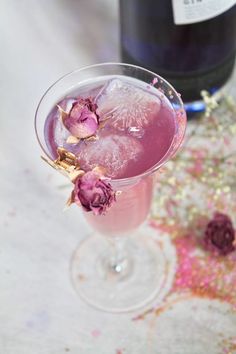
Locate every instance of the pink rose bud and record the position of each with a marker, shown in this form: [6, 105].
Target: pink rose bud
[82, 120]
[220, 234]
[93, 193]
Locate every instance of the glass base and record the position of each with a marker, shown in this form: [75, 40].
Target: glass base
[146, 273]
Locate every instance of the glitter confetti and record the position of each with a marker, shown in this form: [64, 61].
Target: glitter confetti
[203, 274]
[201, 179]
[190, 189]
[96, 333]
[119, 351]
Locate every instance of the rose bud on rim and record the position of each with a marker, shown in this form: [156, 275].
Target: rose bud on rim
[82, 120]
[220, 234]
[93, 193]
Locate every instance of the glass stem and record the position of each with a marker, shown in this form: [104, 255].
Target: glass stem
[118, 261]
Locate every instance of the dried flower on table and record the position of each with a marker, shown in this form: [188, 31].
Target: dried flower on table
[220, 234]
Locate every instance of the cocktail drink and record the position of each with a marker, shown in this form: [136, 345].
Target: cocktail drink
[109, 127]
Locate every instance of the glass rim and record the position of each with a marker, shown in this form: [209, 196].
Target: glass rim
[154, 168]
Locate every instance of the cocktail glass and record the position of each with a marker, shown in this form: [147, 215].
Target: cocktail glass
[120, 267]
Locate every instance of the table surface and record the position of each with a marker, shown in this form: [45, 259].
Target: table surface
[39, 310]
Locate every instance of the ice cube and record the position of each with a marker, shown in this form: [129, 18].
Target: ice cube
[60, 132]
[127, 105]
[113, 152]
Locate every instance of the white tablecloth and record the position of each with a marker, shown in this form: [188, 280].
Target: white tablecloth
[40, 312]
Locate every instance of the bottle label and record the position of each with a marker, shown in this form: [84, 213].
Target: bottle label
[192, 11]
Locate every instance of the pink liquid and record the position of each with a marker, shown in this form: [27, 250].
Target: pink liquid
[134, 139]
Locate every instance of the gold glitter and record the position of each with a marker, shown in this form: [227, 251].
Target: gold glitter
[201, 179]
[172, 181]
[233, 128]
[226, 189]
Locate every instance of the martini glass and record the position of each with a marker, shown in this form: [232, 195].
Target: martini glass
[120, 267]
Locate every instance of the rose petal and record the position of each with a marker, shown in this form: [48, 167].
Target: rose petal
[82, 120]
[72, 140]
[93, 193]
[84, 129]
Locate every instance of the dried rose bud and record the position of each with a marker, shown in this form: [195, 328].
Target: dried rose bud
[220, 234]
[82, 120]
[93, 193]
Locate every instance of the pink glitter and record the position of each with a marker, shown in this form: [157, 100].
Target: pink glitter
[170, 207]
[202, 273]
[154, 81]
[227, 141]
[196, 169]
[119, 351]
[96, 333]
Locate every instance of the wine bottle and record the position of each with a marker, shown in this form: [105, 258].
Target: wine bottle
[191, 43]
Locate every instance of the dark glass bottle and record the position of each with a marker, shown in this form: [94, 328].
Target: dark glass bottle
[192, 57]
